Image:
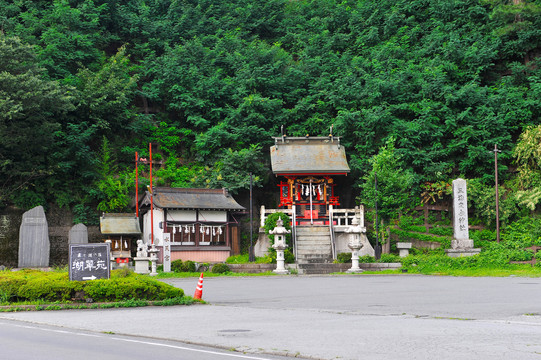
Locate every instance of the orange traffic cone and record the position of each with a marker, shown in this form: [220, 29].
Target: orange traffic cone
[199, 288]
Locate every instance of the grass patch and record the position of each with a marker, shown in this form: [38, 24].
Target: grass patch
[206, 274]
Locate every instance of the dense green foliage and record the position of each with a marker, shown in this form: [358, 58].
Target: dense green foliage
[220, 268]
[35, 285]
[182, 266]
[209, 82]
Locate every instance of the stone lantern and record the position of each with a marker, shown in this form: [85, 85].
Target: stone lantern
[355, 244]
[280, 245]
[153, 251]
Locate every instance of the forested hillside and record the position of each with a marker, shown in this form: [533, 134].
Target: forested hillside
[86, 83]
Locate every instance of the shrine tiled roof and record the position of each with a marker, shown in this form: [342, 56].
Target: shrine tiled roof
[190, 199]
[308, 155]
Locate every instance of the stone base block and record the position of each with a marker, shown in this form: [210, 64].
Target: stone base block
[461, 244]
[462, 252]
[141, 265]
[403, 248]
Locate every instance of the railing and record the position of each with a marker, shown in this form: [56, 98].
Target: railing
[344, 217]
[265, 212]
[331, 230]
[291, 212]
[294, 231]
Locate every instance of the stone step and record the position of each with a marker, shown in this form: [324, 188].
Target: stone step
[322, 268]
[315, 260]
[313, 242]
[313, 237]
[312, 230]
[318, 252]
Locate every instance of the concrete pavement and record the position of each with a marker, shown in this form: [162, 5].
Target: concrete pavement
[339, 317]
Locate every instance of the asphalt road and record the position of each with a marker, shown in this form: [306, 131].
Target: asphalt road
[337, 317]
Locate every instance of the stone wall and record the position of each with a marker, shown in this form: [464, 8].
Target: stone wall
[10, 221]
[60, 222]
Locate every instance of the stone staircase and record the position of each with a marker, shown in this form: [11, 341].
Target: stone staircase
[314, 251]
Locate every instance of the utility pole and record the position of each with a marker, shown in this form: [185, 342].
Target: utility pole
[496, 151]
[136, 186]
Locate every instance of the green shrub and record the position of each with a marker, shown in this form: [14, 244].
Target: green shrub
[270, 223]
[344, 258]
[406, 236]
[389, 258]
[182, 266]
[188, 266]
[176, 265]
[288, 256]
[238, 259]
[134, 287]
[267, 259]
[411, 224]
[220, 269]
[442, 231]
[367, 259]
[55, 286]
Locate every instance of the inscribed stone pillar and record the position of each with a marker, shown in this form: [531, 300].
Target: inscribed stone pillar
[34, 243]
[460, 216]
[78, 234]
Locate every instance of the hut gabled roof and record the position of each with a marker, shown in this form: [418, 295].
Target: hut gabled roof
[191, 199]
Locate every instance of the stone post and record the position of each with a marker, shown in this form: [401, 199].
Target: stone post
[280, 245]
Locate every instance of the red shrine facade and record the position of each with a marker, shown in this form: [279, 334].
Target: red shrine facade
[307, 167]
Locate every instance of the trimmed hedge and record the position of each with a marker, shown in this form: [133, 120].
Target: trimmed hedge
[34, 285]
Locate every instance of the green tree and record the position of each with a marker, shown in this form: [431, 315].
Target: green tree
[527, 155]
[394, 184]
[112, 186]
[30, 109]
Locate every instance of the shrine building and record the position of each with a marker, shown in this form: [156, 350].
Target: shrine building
[308, 166]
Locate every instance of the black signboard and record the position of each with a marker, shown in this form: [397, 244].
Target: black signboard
[89, 261]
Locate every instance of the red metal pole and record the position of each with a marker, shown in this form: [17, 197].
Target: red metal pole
[136, 186]
[151, 198]
[496, 151]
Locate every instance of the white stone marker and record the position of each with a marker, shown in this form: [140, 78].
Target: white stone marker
[461, 245]
[167, 252]
[460, 216]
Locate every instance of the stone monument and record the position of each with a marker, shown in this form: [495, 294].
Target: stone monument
[461, 245]
[78, 234]
[34, 245]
